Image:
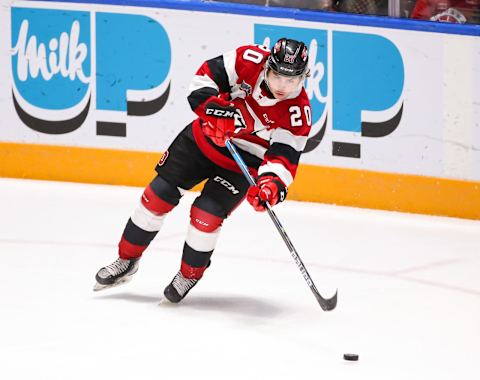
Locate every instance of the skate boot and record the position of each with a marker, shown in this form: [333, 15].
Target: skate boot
[119, 272]
[179, 287]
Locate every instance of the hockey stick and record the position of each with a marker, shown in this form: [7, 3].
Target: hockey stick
[325, 303]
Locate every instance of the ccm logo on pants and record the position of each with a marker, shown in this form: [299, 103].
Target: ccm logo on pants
[226, 184]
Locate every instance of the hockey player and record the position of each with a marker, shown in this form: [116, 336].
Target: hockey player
[252, 87]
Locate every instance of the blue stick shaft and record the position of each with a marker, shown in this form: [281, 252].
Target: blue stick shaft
[326, 304]
[241, 164]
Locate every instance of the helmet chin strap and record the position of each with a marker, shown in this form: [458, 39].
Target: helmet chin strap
[265, 76]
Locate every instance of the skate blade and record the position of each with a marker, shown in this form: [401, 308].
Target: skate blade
[165, 301]
[99, 287]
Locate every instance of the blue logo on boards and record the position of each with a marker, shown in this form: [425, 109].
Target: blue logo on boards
[56, 68]
[367, 77]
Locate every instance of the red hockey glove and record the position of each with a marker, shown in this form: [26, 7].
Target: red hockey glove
[219, 120]
[270, 188]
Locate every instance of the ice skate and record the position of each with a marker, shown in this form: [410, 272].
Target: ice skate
[179, 287]
[117, 273]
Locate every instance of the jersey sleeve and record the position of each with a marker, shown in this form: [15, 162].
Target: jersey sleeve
[248, 60]
[288, 141]
[210, 80]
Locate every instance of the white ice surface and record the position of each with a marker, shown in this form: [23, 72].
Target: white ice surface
[408, 304]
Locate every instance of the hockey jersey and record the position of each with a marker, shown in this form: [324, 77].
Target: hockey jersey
[276, 131]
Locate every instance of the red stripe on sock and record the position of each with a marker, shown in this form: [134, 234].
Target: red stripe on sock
[127, 250]
[191, 272]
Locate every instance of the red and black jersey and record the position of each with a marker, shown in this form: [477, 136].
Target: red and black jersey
[279, 129]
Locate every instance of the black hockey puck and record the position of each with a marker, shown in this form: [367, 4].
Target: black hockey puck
[350, 357]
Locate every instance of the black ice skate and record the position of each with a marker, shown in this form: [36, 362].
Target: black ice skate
[179, 287]
[119, 272]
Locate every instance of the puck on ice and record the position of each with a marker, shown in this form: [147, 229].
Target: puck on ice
[350, 357]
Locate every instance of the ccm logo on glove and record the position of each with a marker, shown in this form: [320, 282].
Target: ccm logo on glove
[220, 117]
[212, 109]
[270, 188]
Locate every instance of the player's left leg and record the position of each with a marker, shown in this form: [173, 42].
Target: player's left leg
[157, 200]
[181, 167]
[222, 193]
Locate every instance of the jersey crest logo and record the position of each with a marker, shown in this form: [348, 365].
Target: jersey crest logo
[246, 88]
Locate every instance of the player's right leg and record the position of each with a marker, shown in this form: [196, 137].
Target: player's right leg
[221, 194]
[158, 199]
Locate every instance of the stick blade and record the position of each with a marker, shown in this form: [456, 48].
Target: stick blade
[327, 304]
